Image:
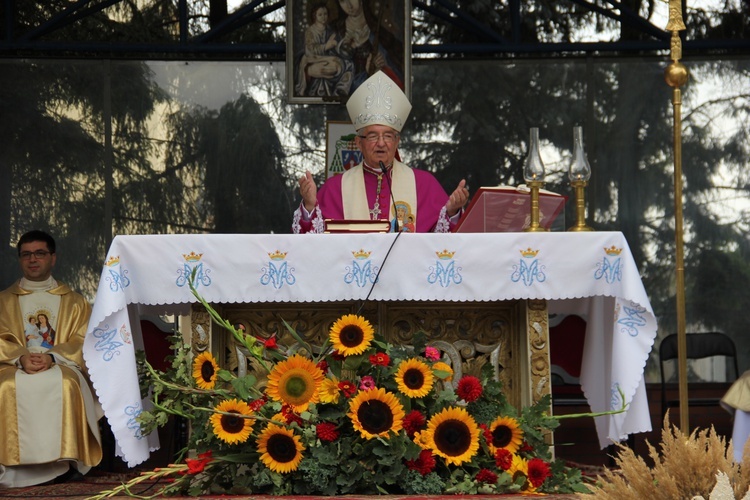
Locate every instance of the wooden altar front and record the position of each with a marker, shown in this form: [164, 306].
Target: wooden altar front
[510, 334]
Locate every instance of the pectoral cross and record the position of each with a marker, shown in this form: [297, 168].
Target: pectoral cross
[375, 210]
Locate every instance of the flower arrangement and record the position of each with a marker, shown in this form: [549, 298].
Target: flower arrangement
[362, 416]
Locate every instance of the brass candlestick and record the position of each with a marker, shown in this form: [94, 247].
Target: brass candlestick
[580, 224]
[534, 226]
[579, 175]
[533, 174]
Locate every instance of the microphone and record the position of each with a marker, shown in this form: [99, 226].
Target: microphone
[398, 235]
[393, 200]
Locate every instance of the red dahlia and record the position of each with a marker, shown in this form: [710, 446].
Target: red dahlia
[424, 464]
[503, 458]
[414, 421]
[538, 472]
[469, 388]
[486, 476]
[327, 431]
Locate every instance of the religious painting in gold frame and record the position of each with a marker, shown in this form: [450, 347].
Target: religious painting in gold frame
[342, 152]
[334, 45]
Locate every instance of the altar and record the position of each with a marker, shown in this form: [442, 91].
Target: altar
[512, 279]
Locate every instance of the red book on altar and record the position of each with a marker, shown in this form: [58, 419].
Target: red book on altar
[357, 226]
[502, 209]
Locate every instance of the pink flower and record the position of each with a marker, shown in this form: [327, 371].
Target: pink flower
[431, 353]
[367, 383]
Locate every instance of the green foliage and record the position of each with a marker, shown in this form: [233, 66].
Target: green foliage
[349, 463]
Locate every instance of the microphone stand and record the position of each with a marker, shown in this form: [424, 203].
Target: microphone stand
[397, 228]
[377, 275]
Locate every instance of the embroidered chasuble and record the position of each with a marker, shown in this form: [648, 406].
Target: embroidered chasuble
[50, 418]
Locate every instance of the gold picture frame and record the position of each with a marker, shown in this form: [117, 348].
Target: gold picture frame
[341, 151]
[326, 60]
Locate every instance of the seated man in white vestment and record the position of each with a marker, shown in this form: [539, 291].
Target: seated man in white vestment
[49, 415]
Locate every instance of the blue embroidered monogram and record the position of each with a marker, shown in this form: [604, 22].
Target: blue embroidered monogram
[278, 271]
[361, 272]
[445, 271]
[610, 267]
[528, 269]
[107, 342]
[193, 263]
[117, 279]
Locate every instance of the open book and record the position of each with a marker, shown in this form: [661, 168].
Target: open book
[508, 209]
[357, 226]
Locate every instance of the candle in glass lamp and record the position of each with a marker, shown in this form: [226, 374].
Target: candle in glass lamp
[580, 170]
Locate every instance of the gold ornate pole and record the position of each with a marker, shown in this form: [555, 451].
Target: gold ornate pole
[676, 75]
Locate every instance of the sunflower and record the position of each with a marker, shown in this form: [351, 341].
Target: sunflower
[443, 367]
[295, 381]
[504, 432]
[229, 428]
[351, 334]
[520, 468]
[280, 449]
[454, 435]
[375, 413]
[414, 378]
[205, 370]
[329, 390]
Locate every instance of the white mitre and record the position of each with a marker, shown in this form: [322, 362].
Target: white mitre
[378, 101]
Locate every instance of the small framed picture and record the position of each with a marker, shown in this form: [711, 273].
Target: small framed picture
[341, 150]
[335, 45]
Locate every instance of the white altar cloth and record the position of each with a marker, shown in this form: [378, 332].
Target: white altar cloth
[592, 274]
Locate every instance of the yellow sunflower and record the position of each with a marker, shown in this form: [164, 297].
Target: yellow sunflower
[443, 367]
[205, 370]
[351, 334]
[506, 433]
[296, 381]
[375, 413]
[419, 440]
[280, 449]
[414, 378]
[329, 390]
[454, 435]
[229, 428]
[519, 467]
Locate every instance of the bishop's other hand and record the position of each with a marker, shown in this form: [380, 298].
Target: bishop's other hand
[308, 190]
[458, 199]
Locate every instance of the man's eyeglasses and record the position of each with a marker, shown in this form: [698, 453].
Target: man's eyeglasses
[39, 254]
[388, 137]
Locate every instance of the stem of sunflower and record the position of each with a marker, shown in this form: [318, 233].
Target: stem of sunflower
[182, 388]
[597, 414]
[248, 341]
